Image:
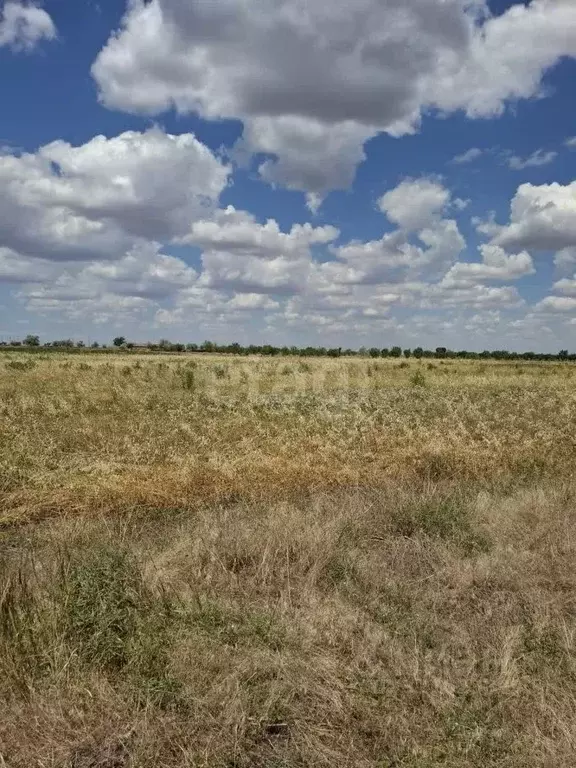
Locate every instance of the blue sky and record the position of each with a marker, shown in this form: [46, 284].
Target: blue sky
[374, 173]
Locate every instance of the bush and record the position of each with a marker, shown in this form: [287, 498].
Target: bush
[418, 379]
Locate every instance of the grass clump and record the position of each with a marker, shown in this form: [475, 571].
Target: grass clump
[21, 365]
[95, 613]
[449, 520]
[418, 379]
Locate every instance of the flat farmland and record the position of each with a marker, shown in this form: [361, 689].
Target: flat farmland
[237, 561]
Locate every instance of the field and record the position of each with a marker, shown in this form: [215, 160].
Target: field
[231, 562]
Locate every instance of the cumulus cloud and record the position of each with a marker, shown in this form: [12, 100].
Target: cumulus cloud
[23, 25]
[414, 203]
[417, 206]
[571, 142]
[311, 82]
[535, 160]
[251, 301]
[542, 218]
[92, 201]
[94, 291]
[566, 285]
[241, 254]
[557, 304]
[496, 264]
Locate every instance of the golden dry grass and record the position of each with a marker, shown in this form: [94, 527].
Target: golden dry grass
[286, 563]
[94, 434]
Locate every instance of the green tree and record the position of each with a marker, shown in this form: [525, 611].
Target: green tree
[407, 353]
[418, 352]
[396, 352]
[119, 341]
[32, 341]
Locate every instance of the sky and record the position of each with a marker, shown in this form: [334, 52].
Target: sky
[375, 173]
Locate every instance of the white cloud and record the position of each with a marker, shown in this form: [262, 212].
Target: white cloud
[570, 142]
[94, 291]
[495, 265]
[566, 285]
[565, 259]
[507, 58]
[231, 229]
[93, 201]
[414, 203]
[468, 157]
[313, 81]
[252, 301]
[472, 296]
[542, 218]
[416, 206]
[535, 160]
[556, 304]
[23, 25]
[241, 254]
[308, 154]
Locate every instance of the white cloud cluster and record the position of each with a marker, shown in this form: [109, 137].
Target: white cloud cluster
[312, 81]
[241, 254]
[542, 218]
[91, 202]
[24, 25]
[84, 233]
[81, 227]
[496, 265]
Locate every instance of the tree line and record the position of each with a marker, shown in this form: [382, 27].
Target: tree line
[32, 342]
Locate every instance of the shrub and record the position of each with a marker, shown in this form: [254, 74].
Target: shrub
[418, 379]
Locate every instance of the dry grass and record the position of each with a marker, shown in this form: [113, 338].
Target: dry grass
[83, 435]
[341, 564]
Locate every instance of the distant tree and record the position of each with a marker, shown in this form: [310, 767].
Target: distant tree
[119, 341]
[80, 344]
[562, 355]
[374, 352]
[32, 341]
[418, 352]
[384, 352]
[94, 345]
[407, 353]
[396, 352]
[441, 351]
